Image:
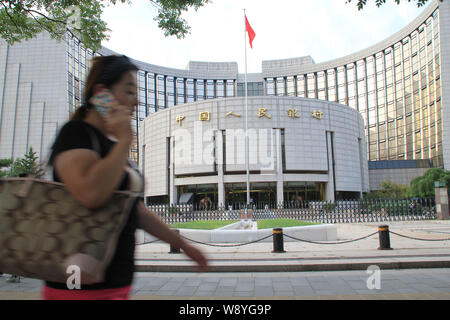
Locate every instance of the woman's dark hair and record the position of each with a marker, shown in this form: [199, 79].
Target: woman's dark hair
[106, 70]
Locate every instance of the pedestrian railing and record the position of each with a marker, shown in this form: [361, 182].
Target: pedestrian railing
[344, 211]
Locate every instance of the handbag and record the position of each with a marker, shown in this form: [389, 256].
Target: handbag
[45, 231]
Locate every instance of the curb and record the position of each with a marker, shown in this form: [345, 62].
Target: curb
[305, 266]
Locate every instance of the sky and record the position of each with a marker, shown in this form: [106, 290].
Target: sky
[322, 29]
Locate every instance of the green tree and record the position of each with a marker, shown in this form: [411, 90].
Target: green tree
[361, 3]
[21, 20]
[28, 165]
[393, 190]
[5, 163]
[389, 190]
[423, 186]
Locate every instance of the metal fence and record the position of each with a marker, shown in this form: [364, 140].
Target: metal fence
[343, 211]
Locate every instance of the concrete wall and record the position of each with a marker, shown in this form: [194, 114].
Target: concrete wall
[401, 176]
[444, 21]
[33, 95]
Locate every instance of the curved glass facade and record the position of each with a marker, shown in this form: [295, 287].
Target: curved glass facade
[396, 88]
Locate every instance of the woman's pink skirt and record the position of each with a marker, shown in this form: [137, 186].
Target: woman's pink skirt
[104, 294]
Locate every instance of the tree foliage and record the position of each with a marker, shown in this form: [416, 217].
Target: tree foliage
[28, 165]
[423, 186]
[22, 20]
[361, 3]
[389, 190]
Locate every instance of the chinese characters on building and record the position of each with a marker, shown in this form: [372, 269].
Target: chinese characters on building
[292, 113]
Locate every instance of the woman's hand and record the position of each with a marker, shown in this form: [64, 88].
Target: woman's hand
[196, 255]
[152, 224]
[118, 123]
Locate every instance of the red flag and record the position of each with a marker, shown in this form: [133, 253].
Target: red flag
[251, 33]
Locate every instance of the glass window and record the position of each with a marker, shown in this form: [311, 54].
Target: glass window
[370, 84]
[418, 142]
[151, 93]
[350, 73]
[373, 134]
[390, 93]
[170, 91]
[341, 76]
[408, 89]
[391, 110]
[383, 151]
[200, 90]
[381, 113]
[291, 84]
[142, 110]
[408, 103]
[210, 89]
[301, 84]
[220, 85]
[161, 91]
[372, 116]
[361, 68]
[230, 88]
[311, 86]
[397, 53]
[180, 91]
[190, 89]
[280, 87]
[373, 152]
[270, 86]
[331, 78]
[141, 96]
[321, 87]
[362, 103]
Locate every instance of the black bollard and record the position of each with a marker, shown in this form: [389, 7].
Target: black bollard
[278, 241]
[173, 249]
[383, 235]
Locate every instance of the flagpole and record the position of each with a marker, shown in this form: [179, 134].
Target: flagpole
[246, 123]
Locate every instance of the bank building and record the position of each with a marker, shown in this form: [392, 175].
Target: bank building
[316, 131]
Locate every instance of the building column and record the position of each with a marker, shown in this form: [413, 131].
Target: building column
[219, 164]
[279, 166]
[173, 191]
[331, 183]
[442, 205]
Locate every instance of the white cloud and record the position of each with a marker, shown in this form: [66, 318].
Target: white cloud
[324, 29]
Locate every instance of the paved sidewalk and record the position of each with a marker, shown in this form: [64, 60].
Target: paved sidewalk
[302, 256]
[249, 272]
[410, 284]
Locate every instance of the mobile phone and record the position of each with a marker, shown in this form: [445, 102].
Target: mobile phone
[103, 101]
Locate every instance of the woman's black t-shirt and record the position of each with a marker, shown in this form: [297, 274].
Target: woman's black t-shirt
[78, 134]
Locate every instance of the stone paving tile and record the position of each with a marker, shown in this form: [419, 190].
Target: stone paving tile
[357, 284]
[192, 282]
[207, 287]
[223, 293]
[263, 282]
[322, 285]
[186, 291]
[243, 294]
[203, 293]
[245, 287]
[171, 286]
[303, 290]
